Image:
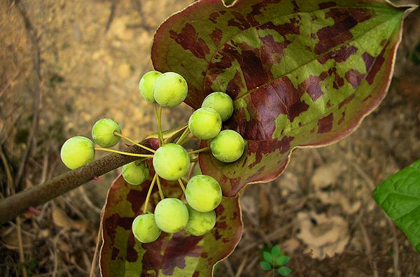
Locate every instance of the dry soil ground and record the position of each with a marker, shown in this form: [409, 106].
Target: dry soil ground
[89, 55]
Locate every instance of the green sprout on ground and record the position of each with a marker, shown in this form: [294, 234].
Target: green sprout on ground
[275, 261]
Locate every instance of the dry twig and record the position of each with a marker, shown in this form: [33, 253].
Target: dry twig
[368, 249]
[241, 267]
[111, 15]
[37, 92]
[229, 267]
[95, 254]
[18, 223]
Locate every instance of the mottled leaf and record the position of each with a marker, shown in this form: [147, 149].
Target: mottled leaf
[284, 271]
[399, 196]
[301, 73]
[171, 255]
[265, 265]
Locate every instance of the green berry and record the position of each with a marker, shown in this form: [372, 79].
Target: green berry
[171, 215]
[146, 85]
[228, 146]
[103, 132]
[171, 162]
[170, 89]
[200, 223]
[77, 151]
[135, 174]
[145, 229]
[221, 103]
[203, 193]
[205, 123]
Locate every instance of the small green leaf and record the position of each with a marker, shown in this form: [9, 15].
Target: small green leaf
[265, 266]
[268, 257]
[275, 251]
[399, 196]
[283, 260]
[284, 271]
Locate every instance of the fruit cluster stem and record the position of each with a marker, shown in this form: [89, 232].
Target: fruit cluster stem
[158, 115]
[182, 185]
[133, 142]
[138, 162]
[183, 136]
[199, 150]
[160, 188]
[146, 203]
[123, 153]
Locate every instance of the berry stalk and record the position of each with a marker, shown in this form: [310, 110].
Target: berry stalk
[199, 150]
[160, 188]
[123, 153]
[138, 162]
[158, 115]
[183, 136]
[146, 203]
[133, 142]
[181, 184]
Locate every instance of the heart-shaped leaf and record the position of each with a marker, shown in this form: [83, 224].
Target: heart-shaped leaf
[171, 255]
[399, 196]
[301, 73]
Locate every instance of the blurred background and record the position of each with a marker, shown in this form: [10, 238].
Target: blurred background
[65, 64]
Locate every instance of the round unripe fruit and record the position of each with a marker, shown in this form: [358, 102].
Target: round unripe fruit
[228, 146]
[221, 103]
[135, 174]
[145, 228]
[205, 123]
[146, 85]
[171, 161]
[171, 215]
[200, 223]
[103, 132]
[170, 89]
[203, 193]
[77, 151]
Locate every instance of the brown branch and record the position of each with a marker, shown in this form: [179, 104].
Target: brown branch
[40, 194]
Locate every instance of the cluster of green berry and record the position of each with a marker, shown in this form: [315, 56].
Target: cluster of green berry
[203, 194]
[206, 123]
[79, 151]
[171, 161]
